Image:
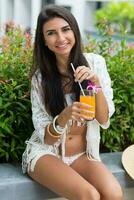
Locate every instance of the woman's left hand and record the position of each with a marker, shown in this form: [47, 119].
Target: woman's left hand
[84, 73]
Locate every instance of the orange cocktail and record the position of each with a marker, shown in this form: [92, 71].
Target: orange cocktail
[89, 99]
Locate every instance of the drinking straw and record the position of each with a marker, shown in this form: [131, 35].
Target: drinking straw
[78, 81]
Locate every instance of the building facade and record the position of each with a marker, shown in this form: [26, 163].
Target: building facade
[25, 12]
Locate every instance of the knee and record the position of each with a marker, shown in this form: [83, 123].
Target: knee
[88, 193]
[115, 194]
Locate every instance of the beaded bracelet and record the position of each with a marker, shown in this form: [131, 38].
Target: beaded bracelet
[50, 133]
[60, 130]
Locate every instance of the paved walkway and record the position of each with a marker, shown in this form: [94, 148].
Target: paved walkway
[129, 194]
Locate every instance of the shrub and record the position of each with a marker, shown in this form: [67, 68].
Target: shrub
[120, 62]
[118, 13]
[15, 107]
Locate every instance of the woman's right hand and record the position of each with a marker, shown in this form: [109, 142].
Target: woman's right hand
[75, 112]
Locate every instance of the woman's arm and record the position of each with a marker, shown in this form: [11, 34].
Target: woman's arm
[40, 116]
[98, 74]
[101, 113]
[107, 90]
[41, 119]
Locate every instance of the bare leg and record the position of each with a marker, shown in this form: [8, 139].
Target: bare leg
[62, 179]
[100, 177]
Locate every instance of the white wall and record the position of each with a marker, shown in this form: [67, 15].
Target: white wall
[35, 9]
[22, 12]
[6, 13]
[89, 16]
[25, 12]
[6, 10]
[77, 9]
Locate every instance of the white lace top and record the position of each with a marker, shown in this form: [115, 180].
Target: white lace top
[41, 118]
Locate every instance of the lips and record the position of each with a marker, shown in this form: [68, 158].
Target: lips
[62, 46]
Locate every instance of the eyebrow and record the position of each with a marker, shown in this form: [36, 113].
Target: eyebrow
[55, 30]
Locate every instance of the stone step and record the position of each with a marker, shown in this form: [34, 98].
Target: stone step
[16, 186]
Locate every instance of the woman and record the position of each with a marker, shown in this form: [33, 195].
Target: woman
[63, 152]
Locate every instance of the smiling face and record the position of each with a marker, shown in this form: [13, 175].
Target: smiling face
[59, 36]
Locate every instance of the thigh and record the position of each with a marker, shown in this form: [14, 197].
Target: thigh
[96, 173]
[52, 173]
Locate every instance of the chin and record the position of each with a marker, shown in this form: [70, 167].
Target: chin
[63, 52]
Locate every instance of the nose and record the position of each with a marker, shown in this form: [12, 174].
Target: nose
[60, 36]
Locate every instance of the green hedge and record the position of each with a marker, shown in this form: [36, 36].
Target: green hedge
[118, 13]
[15, 107]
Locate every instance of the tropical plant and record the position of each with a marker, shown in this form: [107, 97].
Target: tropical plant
[15, 107]
[117, 13]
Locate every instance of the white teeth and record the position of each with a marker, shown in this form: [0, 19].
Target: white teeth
[61, 46]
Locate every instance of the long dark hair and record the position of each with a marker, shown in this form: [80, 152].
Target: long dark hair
[45, 60]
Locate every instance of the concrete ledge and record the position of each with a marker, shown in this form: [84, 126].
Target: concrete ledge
[113, 162]
[16, 186]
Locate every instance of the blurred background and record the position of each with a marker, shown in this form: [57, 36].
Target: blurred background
[25, 12]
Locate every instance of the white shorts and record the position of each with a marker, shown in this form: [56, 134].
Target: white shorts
[35, 150]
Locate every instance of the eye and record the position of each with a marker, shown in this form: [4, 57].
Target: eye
[66, 29]
[51, 33]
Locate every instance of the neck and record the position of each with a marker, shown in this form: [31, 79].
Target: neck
[62, 63]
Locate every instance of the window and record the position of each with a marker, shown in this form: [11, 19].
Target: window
[67, 7]
[46, 2]
[98, 5]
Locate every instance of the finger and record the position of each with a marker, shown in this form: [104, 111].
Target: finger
[87, 115]
[91, 76]
[83, 72]
[77, 107]
[82, 118]
[88, 118]
[79, 113]
[77, 117]
[87, 111]
[80, 68]
[84, 105]
[83, 77]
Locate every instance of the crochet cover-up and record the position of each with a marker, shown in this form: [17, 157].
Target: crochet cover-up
[35, 145]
